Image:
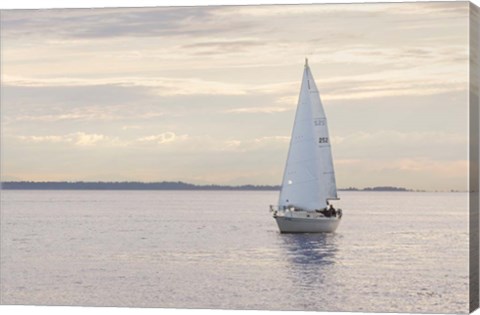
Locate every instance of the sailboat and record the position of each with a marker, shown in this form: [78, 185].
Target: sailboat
[308, 185]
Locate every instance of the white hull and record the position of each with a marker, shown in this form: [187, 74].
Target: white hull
[288, 224]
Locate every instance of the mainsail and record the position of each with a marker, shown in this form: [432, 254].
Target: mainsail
[309, 177]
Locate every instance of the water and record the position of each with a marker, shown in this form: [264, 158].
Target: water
[393, 252]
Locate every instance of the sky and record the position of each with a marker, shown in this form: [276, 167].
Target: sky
[207, 95]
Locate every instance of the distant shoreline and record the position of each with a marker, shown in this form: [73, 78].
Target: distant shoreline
[127, 186]
[29, 185]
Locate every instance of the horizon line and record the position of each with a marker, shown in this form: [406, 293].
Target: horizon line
[172, 185]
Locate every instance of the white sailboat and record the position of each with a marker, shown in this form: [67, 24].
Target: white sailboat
[309, 179]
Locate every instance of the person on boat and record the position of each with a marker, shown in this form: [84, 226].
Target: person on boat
[327, 211]
[330, 211]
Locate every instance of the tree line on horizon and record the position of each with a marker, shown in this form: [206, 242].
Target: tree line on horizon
[80, 185]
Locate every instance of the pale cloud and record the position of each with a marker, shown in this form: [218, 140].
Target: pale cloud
[40, 139]
[433, 79]
[224, 46]
[394, 137]
[276, 88]
[255, 110]
[129, 127]
[399, 59]
[382, 84]
[182, 142]
[78, 23]
[160, 86]
[392, 91]
[277, 139]
[442, 9]
[89, 139]
[74, 114]
[262, 143]
[77, 138]
[413, 70]
[207, 143]
[231, 145]
[163, 138]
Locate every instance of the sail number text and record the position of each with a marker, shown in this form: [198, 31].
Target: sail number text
[323, 140]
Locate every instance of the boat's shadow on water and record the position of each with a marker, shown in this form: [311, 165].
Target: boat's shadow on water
[310, 249]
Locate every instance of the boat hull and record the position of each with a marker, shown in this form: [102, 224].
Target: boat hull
[306, 225]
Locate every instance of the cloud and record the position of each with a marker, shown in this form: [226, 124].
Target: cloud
[110, 23]
[206, 144]
[89, 139]
[255, 110]
[129, 127]
[77, 139]
[439, 8]
[40, 139]
[102, 88]
[224, 46]
[262, 143]
[163, 138]
[165, 86]
[92, 139]
[84, 114]
[413, 71]
[358, 88]
[395, 137]
[193, 21]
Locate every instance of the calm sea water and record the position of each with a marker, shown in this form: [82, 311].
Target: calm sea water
[393, 252]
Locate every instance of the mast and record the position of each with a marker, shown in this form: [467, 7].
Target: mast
[309, 177]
